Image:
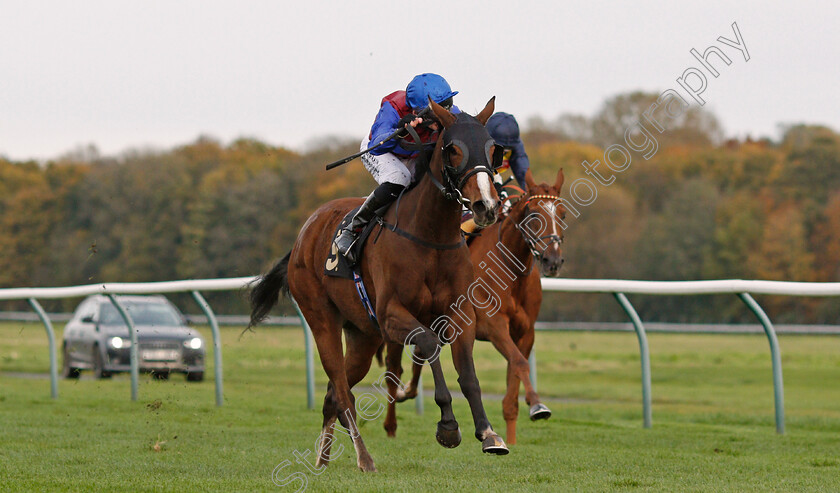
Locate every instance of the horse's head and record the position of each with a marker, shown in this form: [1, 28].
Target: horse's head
[466, 153]
[541, 222]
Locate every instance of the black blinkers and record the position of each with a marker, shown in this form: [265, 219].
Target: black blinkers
[474, 144]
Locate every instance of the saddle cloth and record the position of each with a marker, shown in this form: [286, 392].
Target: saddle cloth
[337, 265]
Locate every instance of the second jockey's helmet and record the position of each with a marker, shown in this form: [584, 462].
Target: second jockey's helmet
[504, 129]
[425, 86]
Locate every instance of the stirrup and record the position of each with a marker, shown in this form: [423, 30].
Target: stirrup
[345, 248]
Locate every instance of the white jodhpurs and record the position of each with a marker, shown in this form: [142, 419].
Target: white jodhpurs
[388, 167]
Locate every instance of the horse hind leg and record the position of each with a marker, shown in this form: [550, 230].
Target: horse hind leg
[510, 405]
[411, 389]
[393, 364]
[325, 439]
[359, 355]
[396, 391]
[328, 340]
[518, 371]
[358, 359]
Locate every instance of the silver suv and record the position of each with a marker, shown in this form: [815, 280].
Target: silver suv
[97, 338]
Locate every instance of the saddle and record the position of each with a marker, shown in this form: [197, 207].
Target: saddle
[337, 264]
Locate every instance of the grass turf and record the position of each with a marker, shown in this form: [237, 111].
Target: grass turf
[712, 412]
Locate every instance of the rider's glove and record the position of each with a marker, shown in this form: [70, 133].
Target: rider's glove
[406, 120]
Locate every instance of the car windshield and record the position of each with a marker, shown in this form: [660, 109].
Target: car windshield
[141, 314]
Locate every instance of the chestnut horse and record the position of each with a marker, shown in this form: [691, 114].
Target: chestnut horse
[511, 330]
[411, 275]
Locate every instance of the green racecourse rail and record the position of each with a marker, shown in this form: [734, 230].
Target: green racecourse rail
[618, 288]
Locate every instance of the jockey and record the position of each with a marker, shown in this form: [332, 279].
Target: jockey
[390, 164]
[505, 131]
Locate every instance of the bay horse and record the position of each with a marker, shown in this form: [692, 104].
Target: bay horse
[412, 276]
[511, 330]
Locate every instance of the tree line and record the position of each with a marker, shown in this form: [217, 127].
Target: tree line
[702, 207]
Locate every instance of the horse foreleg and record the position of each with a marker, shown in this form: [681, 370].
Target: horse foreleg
[462, 357]
[448, 433]
[404, 328]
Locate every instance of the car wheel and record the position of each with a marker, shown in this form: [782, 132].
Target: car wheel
[160, 375]
[195, 376]
[99, 365]
[68, 371]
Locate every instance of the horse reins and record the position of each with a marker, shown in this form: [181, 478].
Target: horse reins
[454, 178]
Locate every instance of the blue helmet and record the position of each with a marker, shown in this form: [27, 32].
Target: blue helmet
[424, 86]
[504, 129]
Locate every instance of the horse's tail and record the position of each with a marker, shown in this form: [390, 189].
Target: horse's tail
[379, 355]
[265, 291]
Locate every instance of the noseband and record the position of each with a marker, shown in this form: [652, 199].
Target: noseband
[530, 240]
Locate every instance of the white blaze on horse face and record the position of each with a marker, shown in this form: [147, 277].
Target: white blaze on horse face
[484, 187]
[551, 207]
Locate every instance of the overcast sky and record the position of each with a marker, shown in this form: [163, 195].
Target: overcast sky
[122, 75]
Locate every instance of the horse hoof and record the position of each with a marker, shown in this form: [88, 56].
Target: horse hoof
[402, 396]
[448, 438]
[494, 445]
[539, 411]
[367, 467]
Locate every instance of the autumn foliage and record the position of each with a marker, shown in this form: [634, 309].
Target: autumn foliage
[700, 208]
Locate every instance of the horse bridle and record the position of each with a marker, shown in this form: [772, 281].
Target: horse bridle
[458, 135]
[530, 240]
[451, 188]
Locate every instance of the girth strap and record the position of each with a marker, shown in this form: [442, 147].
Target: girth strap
[420, 241]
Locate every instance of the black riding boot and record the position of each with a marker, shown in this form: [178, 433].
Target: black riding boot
[383, 195]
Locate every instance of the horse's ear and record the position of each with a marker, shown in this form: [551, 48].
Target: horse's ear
[443, 115]
[560, 179]
[487, 111]
[529, 181]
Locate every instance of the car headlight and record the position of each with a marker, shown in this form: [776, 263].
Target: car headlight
[119, 342]
[194, 343]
